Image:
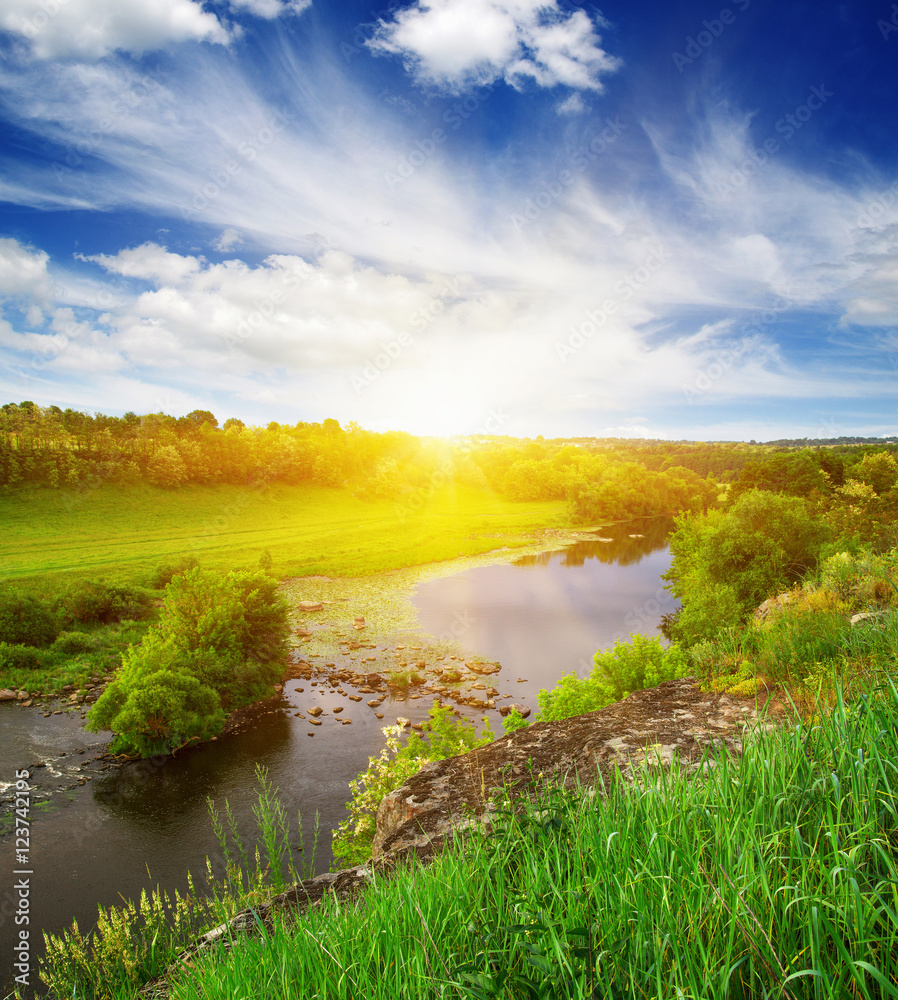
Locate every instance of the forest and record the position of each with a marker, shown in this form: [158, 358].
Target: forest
[600, 478]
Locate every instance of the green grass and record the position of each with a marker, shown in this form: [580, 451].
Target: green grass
[51, 536]
[774, 876]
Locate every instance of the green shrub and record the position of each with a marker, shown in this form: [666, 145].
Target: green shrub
[96, 601]
[444, 737]
[219, 645]
[24, 620]
[72, 643]
[20, 657]
[513, 722]
[158, 713]
[164, 573]
[642, 662]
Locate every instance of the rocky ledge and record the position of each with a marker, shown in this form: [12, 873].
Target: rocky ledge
[675, 719]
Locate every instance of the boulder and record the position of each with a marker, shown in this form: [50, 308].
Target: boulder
[7, 695]
[675, 719]
[772, 604]
[483, 668]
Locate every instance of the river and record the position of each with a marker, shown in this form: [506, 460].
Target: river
[109, 834]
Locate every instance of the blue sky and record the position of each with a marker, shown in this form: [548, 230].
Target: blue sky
[644, 219]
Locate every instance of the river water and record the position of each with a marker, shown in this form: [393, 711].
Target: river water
[110, 834]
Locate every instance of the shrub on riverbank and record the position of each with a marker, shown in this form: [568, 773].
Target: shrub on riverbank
[219, 645]
[441, 738]
[630, 665]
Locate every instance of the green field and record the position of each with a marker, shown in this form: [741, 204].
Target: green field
[52, 536]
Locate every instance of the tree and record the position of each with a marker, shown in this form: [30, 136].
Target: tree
[167, 468]
[726, 562]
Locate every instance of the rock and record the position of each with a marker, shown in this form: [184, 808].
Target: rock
[355, 697]
[773, 604]
[483, 668]
[7, 695]
[310, 606]
[378, 715]
[522, 710]
[278, 688]
[374, 703]
[673, 719]
[303, 632]
[315, 711]
[313, 722]
[337, 710]
[402, 721]
[865, 615]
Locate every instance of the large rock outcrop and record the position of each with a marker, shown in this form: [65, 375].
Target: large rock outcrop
[673, 719]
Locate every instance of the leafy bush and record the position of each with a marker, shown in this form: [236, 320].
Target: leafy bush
[444, 738]
[164, 573]
[513, 722]
[96, 601]
[642, 662]
[163, 711]
[25, 620]
[217, 646]
[19, 657]
[241, 614]
[72, 643]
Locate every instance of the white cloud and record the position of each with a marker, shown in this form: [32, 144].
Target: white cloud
[271, 9]
[149, 262]
[572, 105]
[459, 44]
[23, 272]
[227, 240]
[92, 29]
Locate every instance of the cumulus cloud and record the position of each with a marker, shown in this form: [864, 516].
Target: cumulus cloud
[227, 240]
[23, 272]
[459, 44]
[92, 29]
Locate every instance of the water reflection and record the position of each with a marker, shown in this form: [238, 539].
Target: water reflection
[547, 615]
[619, 547]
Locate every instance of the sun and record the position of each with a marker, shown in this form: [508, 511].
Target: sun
[433, 404]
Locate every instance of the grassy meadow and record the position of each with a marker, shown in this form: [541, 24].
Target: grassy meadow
[53, 536]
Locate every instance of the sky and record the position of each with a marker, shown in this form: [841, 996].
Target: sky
[671, 219]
